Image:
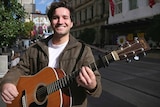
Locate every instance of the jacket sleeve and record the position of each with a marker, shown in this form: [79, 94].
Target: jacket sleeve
[14, 73]
[88, 59]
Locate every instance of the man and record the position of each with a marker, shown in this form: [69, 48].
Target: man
[59, 50]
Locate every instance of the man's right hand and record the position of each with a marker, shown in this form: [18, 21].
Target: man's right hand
[9, 92]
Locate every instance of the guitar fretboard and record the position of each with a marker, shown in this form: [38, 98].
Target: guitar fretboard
[68, 79]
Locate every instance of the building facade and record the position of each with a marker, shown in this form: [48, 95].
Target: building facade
[115, 21]
[41, 21]
[29, 6]
[90, 14]
[129, 19]
[42, 24]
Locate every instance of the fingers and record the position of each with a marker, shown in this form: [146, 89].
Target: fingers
[6, 101]
[82, 76]
[86, 75]
[9, 92]
[87, 78]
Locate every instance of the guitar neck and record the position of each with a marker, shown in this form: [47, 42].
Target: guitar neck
[103, 61]
[68, 79]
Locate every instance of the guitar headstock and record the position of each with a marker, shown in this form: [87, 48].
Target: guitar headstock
[131, 49]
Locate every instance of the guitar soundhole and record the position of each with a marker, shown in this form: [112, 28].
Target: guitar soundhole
[41, 93]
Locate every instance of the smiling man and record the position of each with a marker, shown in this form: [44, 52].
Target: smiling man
[58, 51]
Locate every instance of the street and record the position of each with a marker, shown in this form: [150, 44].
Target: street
[135, 84]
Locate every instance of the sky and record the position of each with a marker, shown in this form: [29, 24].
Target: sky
[41, 5]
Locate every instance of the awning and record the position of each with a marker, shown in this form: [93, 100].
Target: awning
[134, 23]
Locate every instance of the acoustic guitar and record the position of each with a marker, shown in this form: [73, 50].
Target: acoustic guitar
[50, 87]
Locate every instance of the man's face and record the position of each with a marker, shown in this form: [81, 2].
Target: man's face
[61, 21]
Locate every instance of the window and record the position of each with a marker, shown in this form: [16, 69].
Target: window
[83, 15]
[132, 4]
[78, 18]
[86, 14]
[118, 6]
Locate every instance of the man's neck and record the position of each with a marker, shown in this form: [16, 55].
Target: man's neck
[57, 40]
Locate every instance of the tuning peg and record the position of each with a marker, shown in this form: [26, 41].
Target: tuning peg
[135, 38]
[136, 58]
[128, 60]
[121, 47]
[128, 43]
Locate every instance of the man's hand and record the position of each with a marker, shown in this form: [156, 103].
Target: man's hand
[87, 78]
[9, 92]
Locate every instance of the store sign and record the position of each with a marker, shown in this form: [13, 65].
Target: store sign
[41, 24]
[129, 37]
[121, 40]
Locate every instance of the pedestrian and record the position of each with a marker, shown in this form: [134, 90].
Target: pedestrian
[60, 50]
[15, 59]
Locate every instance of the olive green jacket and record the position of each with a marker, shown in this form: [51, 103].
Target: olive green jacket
[36, 57]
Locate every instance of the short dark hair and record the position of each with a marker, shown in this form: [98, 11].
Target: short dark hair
[55, 5]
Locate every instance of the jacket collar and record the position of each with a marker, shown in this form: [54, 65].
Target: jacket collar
[73, 42]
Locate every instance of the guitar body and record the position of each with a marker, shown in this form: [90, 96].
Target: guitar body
[27, 87]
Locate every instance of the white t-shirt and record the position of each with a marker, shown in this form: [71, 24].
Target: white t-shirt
[54, 52]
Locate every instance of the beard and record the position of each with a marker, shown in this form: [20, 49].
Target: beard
[60, 34]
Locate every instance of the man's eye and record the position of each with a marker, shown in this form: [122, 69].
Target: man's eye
[66, 17]
[54, 17]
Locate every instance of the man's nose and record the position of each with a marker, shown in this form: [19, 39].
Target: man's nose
[60, 20]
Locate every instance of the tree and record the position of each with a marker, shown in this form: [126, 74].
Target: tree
[28, 28]
[12, 21]
[88, 35]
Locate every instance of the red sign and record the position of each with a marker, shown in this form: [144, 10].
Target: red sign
[112, 7]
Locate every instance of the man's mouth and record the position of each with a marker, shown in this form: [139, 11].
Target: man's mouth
[60, 27]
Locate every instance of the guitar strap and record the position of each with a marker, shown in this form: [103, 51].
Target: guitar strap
[79, 56]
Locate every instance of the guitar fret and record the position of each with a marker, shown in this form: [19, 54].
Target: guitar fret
[65, 80]
[106, 59]
[93, 66]
[57, 85]
[54, 87]
[63, 84]
[68, 79]
[48, 89]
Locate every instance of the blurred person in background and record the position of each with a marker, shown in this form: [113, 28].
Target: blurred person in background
[15, 59]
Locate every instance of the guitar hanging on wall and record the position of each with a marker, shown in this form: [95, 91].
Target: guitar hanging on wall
[50, 87]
